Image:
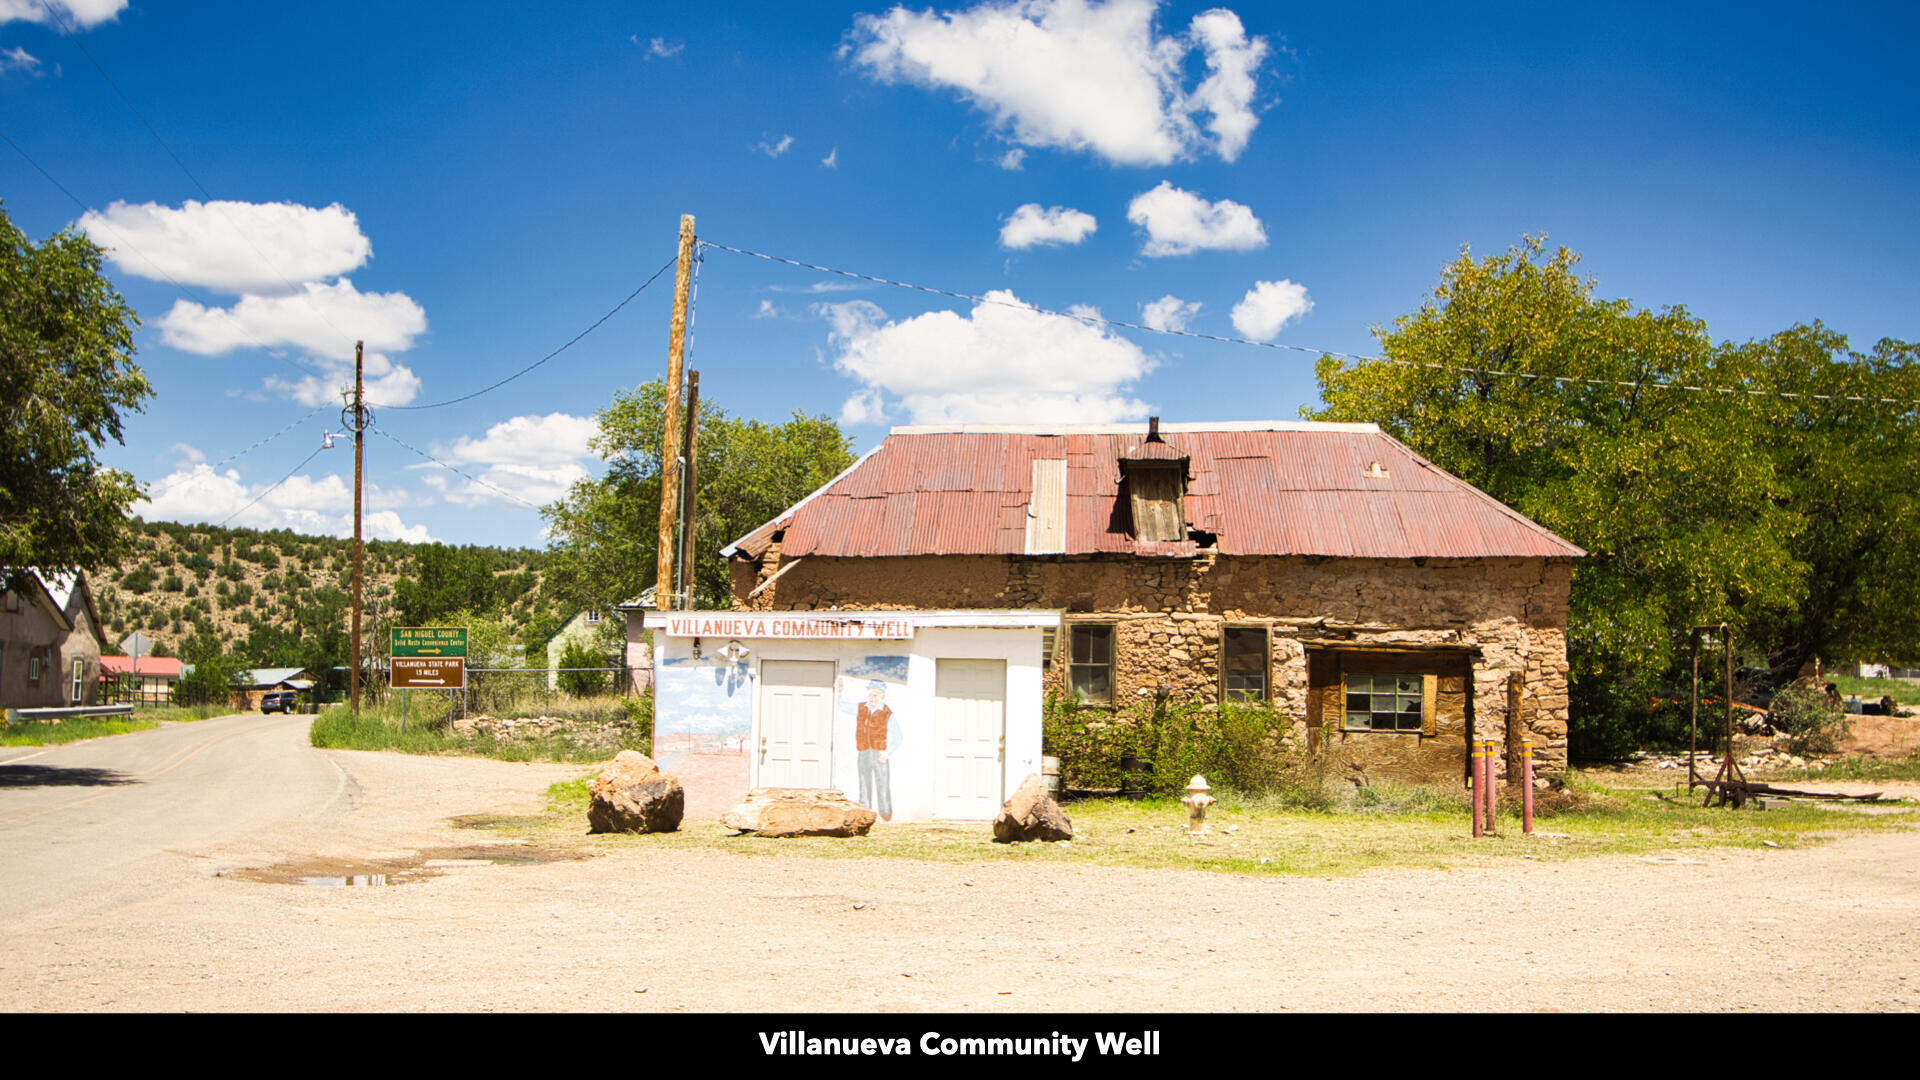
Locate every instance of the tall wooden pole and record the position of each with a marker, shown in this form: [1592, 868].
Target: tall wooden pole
[359, 440]
[689, 521]
[670, 444]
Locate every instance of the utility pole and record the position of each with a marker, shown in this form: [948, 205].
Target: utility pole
[359, 439]
[688, 521]
[670, 444]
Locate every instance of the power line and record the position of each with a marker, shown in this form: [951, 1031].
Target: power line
[388, 435]
[273, 487]
[570, 344]
[257, 444]
[1096, 320]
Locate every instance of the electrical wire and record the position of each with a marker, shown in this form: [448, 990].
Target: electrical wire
[1096, 320]
[257, 444]
[570, 344]
[390, 436]
[271, 488]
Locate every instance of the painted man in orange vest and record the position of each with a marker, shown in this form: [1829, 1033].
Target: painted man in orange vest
[876, 734]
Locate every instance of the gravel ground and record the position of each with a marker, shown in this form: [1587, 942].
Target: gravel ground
[1826, 928]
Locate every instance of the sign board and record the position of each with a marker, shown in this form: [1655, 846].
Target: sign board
[429, 673]
[137, 645]
[443, 641]
[786, 626]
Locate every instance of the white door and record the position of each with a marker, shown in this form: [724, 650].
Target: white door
[796, 723]
[969, 731]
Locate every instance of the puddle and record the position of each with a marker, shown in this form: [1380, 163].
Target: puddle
[405, 870]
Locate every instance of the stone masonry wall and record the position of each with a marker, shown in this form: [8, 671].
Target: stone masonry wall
[1509, 615]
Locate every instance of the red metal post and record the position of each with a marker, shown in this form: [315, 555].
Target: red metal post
[1493, 790]
[1478, 784]
[1526, 779]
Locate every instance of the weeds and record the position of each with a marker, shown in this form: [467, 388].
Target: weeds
[427, 731]
[40, 733]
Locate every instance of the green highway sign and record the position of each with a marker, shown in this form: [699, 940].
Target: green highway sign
[443, 641]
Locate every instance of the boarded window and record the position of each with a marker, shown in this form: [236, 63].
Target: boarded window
[1090, 663]
[1243, 663]
[1158, 510]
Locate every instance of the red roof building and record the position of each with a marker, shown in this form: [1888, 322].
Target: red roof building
[1372, 598]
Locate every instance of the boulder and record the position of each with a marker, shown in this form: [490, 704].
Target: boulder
[1032, 815]
[783, 812]
[632, 795]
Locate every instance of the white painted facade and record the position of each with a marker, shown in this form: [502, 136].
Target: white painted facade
[750, 711]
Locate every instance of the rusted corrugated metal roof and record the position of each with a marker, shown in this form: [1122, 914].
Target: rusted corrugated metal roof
[1279, 488]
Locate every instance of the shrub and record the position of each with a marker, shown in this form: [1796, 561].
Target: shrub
[1236, 746]
[1810, 719]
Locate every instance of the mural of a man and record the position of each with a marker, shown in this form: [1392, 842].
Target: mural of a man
[876, 734]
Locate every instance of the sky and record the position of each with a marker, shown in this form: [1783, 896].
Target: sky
[467, 188]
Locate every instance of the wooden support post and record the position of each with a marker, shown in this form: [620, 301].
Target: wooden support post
[689, 521]
[670, 441]
[359, 443]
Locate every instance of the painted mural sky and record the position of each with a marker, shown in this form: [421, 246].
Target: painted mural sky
[467, 187]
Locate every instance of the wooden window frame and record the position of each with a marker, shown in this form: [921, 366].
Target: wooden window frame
[1113, 642]
[1429, 695]
[1266, 663]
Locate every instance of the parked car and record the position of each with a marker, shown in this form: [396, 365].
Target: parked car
[277, 701]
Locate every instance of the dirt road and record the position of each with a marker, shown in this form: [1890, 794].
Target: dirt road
[134, 895]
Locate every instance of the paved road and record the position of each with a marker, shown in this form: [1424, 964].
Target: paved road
[80, 823]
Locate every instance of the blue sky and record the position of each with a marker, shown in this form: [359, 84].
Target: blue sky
[469, 186]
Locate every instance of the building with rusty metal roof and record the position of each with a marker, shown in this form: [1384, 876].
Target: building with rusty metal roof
[1382, 605]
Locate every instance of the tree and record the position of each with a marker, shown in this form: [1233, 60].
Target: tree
[66, 376]
[606, 532]
[1694, 506]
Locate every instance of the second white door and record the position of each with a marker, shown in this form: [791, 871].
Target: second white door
[969, 731]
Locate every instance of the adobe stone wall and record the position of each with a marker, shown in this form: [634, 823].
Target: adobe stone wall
[1508, 615]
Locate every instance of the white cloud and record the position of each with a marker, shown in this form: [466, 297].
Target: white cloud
[776, 148]
[18, 59]
[1076, 74]
[1002, 362]
[234, 247]
[1012, 160]
[1268, 306]
[82, 13]
[1032, 225]
[536, 458]
[660, 46]
[767, 310]
[317, 507]
[832, 160]
[1179, 222]
[1169, 313]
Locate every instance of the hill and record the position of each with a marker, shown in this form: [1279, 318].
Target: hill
[280, 598]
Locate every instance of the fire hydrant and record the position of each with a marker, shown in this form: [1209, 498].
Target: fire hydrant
[1196, 802]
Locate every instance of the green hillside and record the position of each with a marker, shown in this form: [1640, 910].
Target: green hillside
[280, 598]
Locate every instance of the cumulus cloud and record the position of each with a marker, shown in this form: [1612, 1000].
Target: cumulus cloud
[321, 506]
[1268, 306]
[1012, 160]
[534, 458]
[233, 247]
[777, 147]
[1169, 313]
[1178, 222]
[1003, 362]
[660, 47]
[1030, 225]
[832, 160]
[1076, 74]
[81, 13]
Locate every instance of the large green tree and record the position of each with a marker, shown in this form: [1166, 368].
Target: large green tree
[66, 377]
[606, 531]
[1695, 505]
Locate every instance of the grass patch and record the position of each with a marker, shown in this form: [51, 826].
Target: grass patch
[1902, 691]
[40, 733]
[183, 714]
[378, 727]
[1858, 768]
[1343, 832]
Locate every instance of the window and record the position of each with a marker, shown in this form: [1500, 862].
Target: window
[1385, 702]
[79, 682]
[592, 617]
[33, 667]
[1243, 663]
[1090, 663]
